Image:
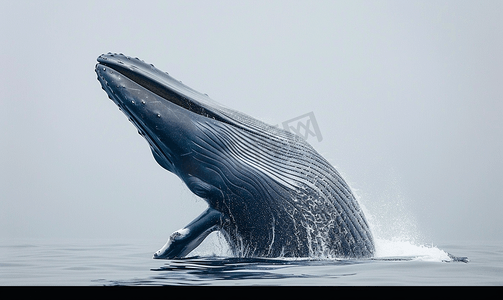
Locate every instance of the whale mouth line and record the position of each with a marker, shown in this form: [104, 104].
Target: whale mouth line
[153, 83]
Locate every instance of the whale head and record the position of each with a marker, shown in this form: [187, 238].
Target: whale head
[189, 134]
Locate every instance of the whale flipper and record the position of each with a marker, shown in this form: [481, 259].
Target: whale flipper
[184, 240]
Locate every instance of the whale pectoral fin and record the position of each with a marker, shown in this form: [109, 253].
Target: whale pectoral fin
[184, 240]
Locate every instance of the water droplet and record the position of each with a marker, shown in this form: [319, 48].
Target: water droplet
[143, 102]
[158, 115]
[132, 101]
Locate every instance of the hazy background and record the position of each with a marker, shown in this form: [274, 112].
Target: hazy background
[407, 94]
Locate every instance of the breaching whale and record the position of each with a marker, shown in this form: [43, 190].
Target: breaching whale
[268, 191]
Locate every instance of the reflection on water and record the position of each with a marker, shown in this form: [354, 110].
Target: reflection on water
[207, 270]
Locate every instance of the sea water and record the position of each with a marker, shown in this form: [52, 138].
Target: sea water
[92, 262]
[399, 260]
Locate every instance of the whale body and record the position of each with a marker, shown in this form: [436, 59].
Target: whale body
[268, 191]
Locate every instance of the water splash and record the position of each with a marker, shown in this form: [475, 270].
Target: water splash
[214, 245]
[395, 230]
[393, 226]
[402, 246]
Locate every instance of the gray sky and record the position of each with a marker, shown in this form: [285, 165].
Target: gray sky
[407, 95]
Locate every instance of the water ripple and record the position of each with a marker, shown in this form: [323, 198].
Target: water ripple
[208, 270]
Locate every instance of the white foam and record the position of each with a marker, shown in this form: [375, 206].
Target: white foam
[407, 249]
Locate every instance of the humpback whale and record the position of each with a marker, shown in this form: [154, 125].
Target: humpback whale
[268, 191]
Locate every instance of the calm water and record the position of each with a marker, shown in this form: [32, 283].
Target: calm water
[98, 262]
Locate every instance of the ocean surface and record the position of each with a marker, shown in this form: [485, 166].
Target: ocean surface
[93, 262]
